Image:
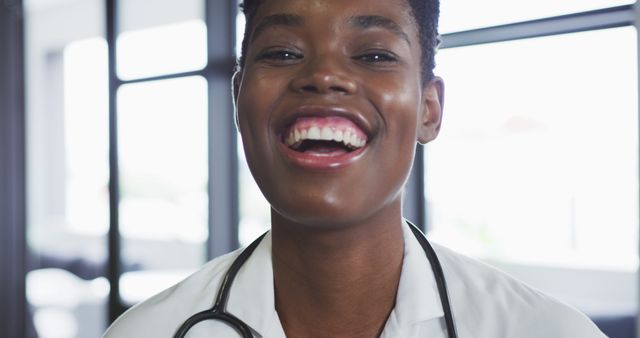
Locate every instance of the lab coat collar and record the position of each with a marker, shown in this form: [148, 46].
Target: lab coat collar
[252, 296]
[417, 299]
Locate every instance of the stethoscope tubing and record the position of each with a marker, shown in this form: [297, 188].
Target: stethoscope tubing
[438, 273]
[222, 316]
[219, 309]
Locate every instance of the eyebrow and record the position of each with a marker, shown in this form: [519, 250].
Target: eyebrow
[369, 21]
[286, 20]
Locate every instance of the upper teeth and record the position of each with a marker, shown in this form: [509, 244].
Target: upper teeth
[348, 137]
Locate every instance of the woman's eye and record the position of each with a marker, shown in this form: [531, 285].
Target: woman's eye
[279, 55]
[377, 57]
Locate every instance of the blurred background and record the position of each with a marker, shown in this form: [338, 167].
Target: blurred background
[134, 175]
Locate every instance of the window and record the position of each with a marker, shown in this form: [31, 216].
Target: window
[539, 147]
[166, 49]
[167, 100]
[67, 169]
[536, 165]
[461, 15]
[255, 217]
[162, 137]
[162, 141]
[170, 39]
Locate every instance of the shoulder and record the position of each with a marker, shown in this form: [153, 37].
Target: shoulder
[160, 315]
[490, 303]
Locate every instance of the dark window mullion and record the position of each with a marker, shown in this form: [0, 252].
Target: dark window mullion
[12, 172]
[578, 22]
[162, 77]
[114, 266]
[223, 158]
[637, 23]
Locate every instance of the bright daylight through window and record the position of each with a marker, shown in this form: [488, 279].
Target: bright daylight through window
[537, 158]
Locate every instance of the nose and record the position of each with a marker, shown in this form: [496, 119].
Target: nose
[324, 76]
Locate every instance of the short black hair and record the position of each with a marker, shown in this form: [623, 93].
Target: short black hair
[425, 14]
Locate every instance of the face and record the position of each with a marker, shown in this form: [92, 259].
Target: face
[330, 106]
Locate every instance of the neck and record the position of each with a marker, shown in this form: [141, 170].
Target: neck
[340, 282]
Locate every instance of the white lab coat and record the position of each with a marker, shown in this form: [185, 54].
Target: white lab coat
[486, 303]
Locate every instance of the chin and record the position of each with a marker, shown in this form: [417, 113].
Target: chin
[326, 213]
[320, 214]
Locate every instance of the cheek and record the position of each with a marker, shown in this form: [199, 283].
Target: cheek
[402, 116]
[254, 101]
[400, 110]
[257, 99]
[252, 120]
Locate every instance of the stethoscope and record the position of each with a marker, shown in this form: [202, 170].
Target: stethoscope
[219, 309]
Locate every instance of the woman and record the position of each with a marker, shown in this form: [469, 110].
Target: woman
[332, 97]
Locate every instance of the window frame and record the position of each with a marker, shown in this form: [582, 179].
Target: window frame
[605, 18]
[222, 188]
[612, 17]
[13, 308]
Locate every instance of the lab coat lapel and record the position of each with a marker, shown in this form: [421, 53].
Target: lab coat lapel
[252, 298]
[417, 298]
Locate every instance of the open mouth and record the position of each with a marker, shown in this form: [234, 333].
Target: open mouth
[324, 136]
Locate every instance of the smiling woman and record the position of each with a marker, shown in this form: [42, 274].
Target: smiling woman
[332, 98]
[299, 75]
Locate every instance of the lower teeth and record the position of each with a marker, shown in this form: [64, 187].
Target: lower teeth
[321, 146]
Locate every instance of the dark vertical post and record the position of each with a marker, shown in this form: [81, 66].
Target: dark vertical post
[637, 25]
[223, 161]
[12, 172]
[414, 208]
[113, 269]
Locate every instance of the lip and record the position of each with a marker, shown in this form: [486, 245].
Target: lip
[314, 161]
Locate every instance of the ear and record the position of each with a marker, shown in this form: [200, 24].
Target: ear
[432, 107]
[235, 89]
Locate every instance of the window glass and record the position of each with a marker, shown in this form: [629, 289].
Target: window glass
[537, 160]
[459, 15]
[240, 24]
[162, 135]
[171, 38]
[255, 216]
[86, 136]
[67, 168]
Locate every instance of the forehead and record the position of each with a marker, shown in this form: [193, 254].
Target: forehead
[392, 14]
